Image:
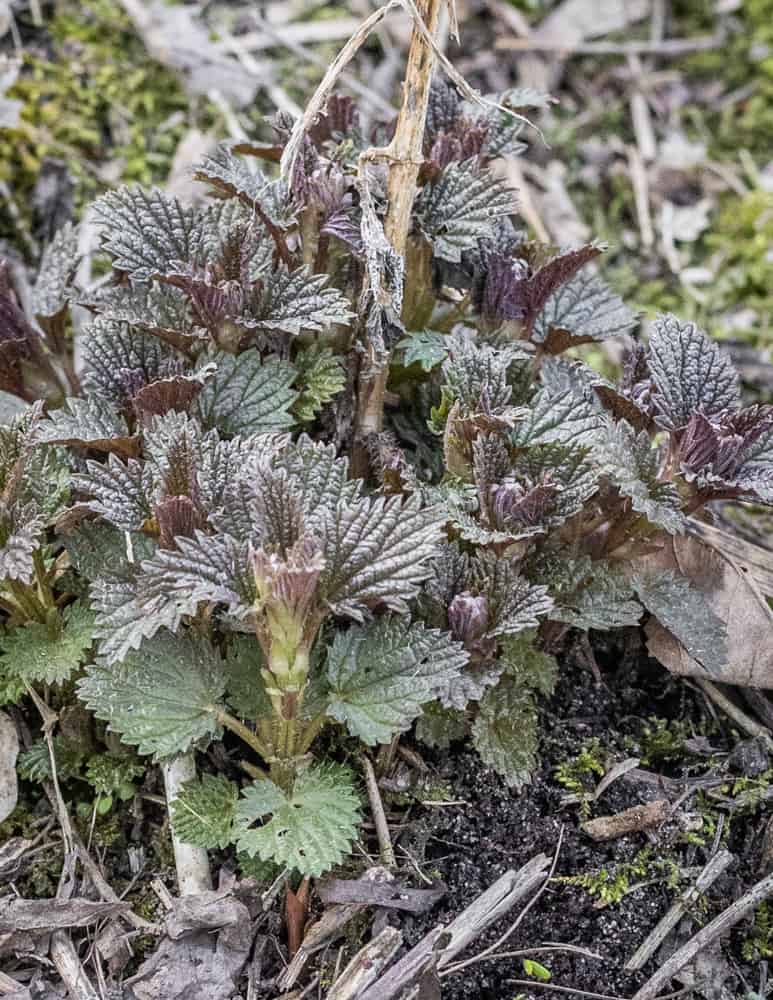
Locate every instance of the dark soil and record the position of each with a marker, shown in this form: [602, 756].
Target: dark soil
[470, 846]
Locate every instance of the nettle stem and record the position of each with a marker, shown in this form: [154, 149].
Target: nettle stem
[404, 156]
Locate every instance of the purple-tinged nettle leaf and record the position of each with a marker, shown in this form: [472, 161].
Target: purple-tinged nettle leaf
[319, 477]
[176, 517]
[205, 568]
[339, 120]
[519, 287]
[247, 395]
[174, 394]
[52, 291]
[232, 176]
[293, 301]
[286, 594]
[377, 553]
[147, 233]
[689, 373]
[450, 575]
[729, 455]
[121, 492]
[514, 603]
[444, 106]
[88, 423]
[582, 310]
[631, 399]
[161, 310]
[381, 675]
[17, 335]
[631, 462]
[118, 360]
[162, 699]
[461, 207]
[477, 375]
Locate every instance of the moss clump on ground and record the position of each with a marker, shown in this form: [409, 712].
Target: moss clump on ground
[94, 98]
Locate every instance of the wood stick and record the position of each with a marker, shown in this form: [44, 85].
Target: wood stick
[192, 863]
[366, 966]
[379, 818]
[633, 820]
[68, 965]
[443, 944]
[668, 47]
[668, 922]
[739, 717]
[719, 925]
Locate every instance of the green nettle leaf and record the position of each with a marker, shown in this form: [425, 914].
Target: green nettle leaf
[49, 654]
[163, 698]
[564, 418]
[246, 691]
[529, 666]
[633, 465]
[425, 348]
[88, 423]
[321, 377]
[592, 595]
[248, 395]
[293, 301]
[147, 233]
[582, 310]
[310, 829]
[684, 611]
[57, 267]
[381, 674]
[161, 310]
[461, 207]
[97, 549]
[505, 731]
[204, 810]
[690, 373]
[440, 727]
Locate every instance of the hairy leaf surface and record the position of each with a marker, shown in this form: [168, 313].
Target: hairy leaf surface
[49, 654]
[163, 698]
[248, 395]
[309, 830]
[203, 811]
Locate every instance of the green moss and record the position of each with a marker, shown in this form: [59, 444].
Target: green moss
[95, 99]
[580, 774]
[610, 885]
[758, 944]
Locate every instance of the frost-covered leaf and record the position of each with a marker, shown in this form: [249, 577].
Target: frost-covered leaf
[120, 491]
[321, 377]
[292, 301]
[163, 698]
[381, 674]
[633, 465]
[684, 611]
[310, 829]
[461, 208]
[147, 233]
[246, 690]
[440, 727]
[49, 654]
[377, 553]
[247, 395]
[582, 310]
[505, 731]
[690, 372]
[426, 348]
[51, 293]
[89, 423]
[203, 811]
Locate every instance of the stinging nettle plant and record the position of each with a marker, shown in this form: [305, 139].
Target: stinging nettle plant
[331, 467]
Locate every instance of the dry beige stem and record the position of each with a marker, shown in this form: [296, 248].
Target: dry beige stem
[632, 820]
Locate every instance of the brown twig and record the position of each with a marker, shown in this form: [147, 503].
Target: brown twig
[379, 817]
[667, 47]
